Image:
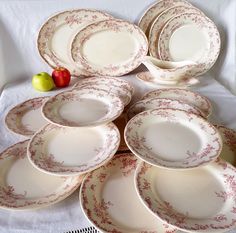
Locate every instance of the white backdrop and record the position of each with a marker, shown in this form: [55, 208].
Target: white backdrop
[19, 60]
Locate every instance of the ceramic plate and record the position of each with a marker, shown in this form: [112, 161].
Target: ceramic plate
[122, 93]
[156, 103]
[182, 83]
[85, 107]
[109, 81]
[67, 151]
[26, 118]
[192, 98]
[110, 47]
[228, 152]
[173, 138]
[56, 34]
[24, 187]
[199, 200]
[159, 23]
[192, 37]
[110, 202]
[153, 11]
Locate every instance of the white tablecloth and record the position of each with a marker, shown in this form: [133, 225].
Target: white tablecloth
[19, 60]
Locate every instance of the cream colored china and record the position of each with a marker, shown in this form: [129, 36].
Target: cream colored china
[198, 200]
[65, 151]
[24, 187]
[173, 139]
[85, 107]
[156, 103]
[167, 70]
[110, 202]
[154, 10]
[26, 118]
[192, 98]
[56, 34]
[160, 22]
[110, 47]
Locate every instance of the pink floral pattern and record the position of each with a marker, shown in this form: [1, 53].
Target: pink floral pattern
[14, 116]
[11, 199]
[223, 220]
[111, 69]
[95, 207]
[46, 161]
[139, 145]
[114, 110]
[187, 96]
[78, 18]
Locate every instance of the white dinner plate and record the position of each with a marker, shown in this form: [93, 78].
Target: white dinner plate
[66, 151]
[26, 117]
[110, 47]
[110, 202]
[154, 10]
[159, 23]
[228, 152]
[82, 107]
[109, 81]
[192, 98]
[122, 93]
[173, 139]
[156, 103]
[56, 34]
[191, 37]
[24, 187]
[198, 200]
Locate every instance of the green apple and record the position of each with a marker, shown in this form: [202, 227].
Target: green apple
[43, 82]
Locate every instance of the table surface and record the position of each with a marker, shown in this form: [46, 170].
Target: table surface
[19, 60]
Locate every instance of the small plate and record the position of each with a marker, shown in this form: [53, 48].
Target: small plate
[199, 200]
[56, 34]
[156, 103]
[191, 37]
[110, 47]
[122, 93]
[147, 77]
[173, 138]
[24, 187]
[228, 152]
[109, 81]
[110, 202]
[67, 151]
[26, 118]
[192, 98]
[160, 22]
[156, 9]
[82, 108]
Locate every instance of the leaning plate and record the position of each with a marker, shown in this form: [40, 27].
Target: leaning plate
[156, 103]
[110, 47]
[26, 118]
[67, 151]
[56, 34]
[83, 107]
[192, 98]
[199, 200]
[110, 202]
[24, 187]
[192, 37]
[153, 11]
[173, 138]
[228, 152]
[159, 23]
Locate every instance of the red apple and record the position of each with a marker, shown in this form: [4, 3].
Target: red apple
[61, 77]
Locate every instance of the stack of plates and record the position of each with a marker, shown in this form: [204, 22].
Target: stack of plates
[71, 134]
[90, 42]
[177, 31]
